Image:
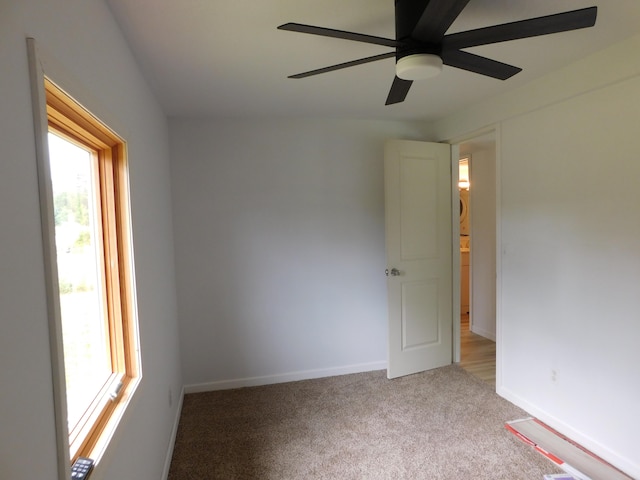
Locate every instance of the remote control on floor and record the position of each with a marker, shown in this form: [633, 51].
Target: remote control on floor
[81, 468]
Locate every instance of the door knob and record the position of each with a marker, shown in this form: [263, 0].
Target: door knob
[394, 272]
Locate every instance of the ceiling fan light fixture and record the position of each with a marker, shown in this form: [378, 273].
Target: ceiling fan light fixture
[418, 66]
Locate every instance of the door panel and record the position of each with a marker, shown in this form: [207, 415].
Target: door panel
[418, 208]
[419, 314]
[419, 249]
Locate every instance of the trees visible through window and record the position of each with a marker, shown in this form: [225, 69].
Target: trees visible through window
[80, 274]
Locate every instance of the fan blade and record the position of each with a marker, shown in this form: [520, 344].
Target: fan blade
[436, 19]
[340, 66]
[329, 32]
[533, 27]
[477, 64]
[399, 90]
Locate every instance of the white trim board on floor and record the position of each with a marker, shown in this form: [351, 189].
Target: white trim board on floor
[573, 459]
[284, 377]
[172, 438]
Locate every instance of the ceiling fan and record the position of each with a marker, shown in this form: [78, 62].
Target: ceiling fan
[422, 46]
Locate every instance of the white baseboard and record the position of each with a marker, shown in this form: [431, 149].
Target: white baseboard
[284, 377]
[483, 333]
[172, 439]
[629, 466]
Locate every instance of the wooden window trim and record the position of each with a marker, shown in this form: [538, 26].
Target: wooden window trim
[70, 120]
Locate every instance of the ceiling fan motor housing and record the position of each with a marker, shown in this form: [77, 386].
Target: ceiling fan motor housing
[416, 60]
[408, 13]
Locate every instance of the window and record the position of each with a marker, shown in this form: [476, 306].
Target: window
[88, 171]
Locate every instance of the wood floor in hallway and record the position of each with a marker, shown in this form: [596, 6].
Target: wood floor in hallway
[478, 354]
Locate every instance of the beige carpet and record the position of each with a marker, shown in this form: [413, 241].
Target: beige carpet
[442, 424]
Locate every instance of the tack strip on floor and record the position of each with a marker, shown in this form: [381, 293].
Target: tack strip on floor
[574, 460]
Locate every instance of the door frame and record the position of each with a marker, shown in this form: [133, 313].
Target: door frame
[455, 153]
[455, 239]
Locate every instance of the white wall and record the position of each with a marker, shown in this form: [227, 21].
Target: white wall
[279, 230]
[568, 331]
[82, 48]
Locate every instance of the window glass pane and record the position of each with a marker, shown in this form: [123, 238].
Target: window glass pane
[80, 274]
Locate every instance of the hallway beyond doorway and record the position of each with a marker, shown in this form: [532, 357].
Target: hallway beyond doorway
[478, 354]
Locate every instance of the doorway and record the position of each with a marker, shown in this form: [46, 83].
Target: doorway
[478, 255]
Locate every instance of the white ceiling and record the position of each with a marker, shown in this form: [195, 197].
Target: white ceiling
[223, 59]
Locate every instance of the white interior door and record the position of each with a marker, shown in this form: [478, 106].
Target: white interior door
[419, 255]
